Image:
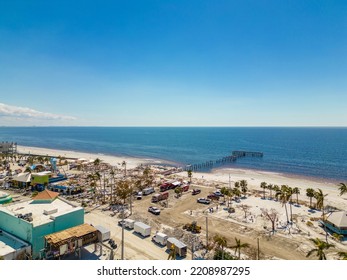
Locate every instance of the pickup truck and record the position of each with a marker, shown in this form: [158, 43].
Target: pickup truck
[154, 210]
[204, 200]
[196, 191]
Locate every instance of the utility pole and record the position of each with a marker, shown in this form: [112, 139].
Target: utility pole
[207, 232]
[258, 251]
[122, 252]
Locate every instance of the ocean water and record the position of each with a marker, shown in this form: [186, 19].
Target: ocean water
[314, 152]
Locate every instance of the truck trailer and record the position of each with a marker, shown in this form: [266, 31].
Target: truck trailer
[160, 196]
[148, 191]
[142, 229]
[181, 248]
[129, 223]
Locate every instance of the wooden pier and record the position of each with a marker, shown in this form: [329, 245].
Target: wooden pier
[228, 159]
[247, 154]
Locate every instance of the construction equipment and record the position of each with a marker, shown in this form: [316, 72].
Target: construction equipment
[192, 227]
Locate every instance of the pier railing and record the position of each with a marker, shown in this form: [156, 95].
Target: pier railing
[224, 160]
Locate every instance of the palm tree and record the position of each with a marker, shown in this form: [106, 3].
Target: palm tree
[92, 178]
[310, 193]
[290, 193]
[283, 196]
[224, 191]
[112, 173]
[236, 192]
[147, 176]
[276, 189]
[190, 174]
[243, 185]
[230, 195]
[319, 196]
[124, 190]
[343, 255]
[221, 243]
[124, 164]
[178, 191]
[238, 246]
[321, 246]
[27, 170]
[97, 162]
[342, 188]
[237, 184]
[263, 185]
[270, 187]
[296, 191]
[337, 236]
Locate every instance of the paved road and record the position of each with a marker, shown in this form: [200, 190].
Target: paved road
[136, 248]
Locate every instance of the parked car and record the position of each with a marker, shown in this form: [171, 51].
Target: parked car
[154, 210]
[196, 191]
[212, 196]
[204, 200]
[218, 193]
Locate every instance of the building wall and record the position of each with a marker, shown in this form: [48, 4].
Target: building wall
[69, 220]
[39, 179]
[35, 235]
[18, 227]
[38, 241]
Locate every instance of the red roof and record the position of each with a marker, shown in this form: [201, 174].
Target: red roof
[46, 195]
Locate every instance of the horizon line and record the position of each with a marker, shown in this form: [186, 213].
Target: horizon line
[178, 126]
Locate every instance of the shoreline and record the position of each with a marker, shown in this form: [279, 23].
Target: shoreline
[133, 162]
[114, 160]
[278, 173]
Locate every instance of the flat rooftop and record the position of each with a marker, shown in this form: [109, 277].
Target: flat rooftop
[41, 213]
[9, 243]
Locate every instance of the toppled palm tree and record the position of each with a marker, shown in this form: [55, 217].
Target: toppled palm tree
[320, 247]
[337, 237]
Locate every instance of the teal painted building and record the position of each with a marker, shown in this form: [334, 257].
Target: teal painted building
[32, 220]
[337, 222]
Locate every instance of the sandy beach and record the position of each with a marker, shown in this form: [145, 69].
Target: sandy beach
[113, 160]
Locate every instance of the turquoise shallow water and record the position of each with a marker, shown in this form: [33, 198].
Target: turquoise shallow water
[316, 152]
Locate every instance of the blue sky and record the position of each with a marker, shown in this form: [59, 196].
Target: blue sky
[173, 63]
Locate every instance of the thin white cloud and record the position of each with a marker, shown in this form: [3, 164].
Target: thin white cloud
[22, 112]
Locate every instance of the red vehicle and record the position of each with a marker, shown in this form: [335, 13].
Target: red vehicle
[164, 187]
[160, 196]
[185, 188]
[212, 196]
